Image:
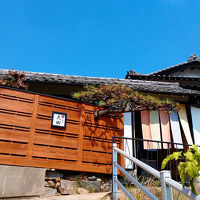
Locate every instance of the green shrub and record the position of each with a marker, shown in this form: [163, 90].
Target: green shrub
[189, 165]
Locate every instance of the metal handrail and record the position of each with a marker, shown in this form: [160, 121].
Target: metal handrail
[116, 181]
[146, 140]
[184, 190]
[133, 180]
[166, 182]
[124, 189]
[139, 163]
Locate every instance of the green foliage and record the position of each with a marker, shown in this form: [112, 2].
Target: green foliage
[120, 98]
[79, 183]
[189, 166]
[91, 189]
[173, 156]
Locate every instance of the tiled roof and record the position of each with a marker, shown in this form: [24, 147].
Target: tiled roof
[140, 85]
[133, 72]
[192, 60]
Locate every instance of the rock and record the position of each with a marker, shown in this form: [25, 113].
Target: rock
[85, 178]
[45, 184]
[109, 185]
[121, 195]
[71, 177]
[92, 178]
[57, 185]
[92, 186]
[104, 187]
[98, 179]
[57, 179]
[82, 191]
[49, 183]
[197, 184]
[49, 191]
[68, 187]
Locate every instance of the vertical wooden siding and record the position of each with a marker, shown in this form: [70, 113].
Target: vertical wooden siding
[27, 138]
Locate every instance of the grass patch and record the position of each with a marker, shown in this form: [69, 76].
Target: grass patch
[91, 189]
[154, 186]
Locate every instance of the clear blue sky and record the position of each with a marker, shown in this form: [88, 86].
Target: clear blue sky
[101, 38]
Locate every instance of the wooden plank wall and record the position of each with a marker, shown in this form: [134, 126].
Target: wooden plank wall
[27, 138]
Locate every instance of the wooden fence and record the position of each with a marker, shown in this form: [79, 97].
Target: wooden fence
[28, 139]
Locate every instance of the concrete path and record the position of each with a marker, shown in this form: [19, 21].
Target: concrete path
[91, 196]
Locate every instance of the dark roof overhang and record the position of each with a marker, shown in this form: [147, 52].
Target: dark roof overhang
[138, 85]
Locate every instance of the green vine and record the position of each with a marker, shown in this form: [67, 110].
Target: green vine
[188, 167]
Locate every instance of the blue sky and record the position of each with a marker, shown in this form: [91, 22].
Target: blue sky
[100, 38]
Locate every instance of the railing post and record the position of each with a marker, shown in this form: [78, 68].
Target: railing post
[166, 190]
[114, 185]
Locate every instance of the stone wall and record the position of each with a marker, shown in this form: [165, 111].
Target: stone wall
[21, 181]
[70, 183]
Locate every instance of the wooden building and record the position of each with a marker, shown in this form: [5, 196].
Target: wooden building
[30, 143]
[180, 82]
[184, 127]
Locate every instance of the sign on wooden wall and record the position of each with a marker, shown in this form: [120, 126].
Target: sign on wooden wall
[59, 119]
[29, 137]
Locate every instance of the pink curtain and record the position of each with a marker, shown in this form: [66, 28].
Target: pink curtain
[146, 129]
[165, 129]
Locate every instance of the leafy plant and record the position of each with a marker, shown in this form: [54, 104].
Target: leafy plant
[189, 165]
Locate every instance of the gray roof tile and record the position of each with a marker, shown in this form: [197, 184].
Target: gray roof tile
[141, 85]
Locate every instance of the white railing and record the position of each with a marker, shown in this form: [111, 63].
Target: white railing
[165, 177]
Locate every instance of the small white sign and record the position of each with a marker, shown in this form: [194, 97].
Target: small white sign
[59, 119]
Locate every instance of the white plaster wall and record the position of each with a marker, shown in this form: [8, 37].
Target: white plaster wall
[128, 144]
[195, 73]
